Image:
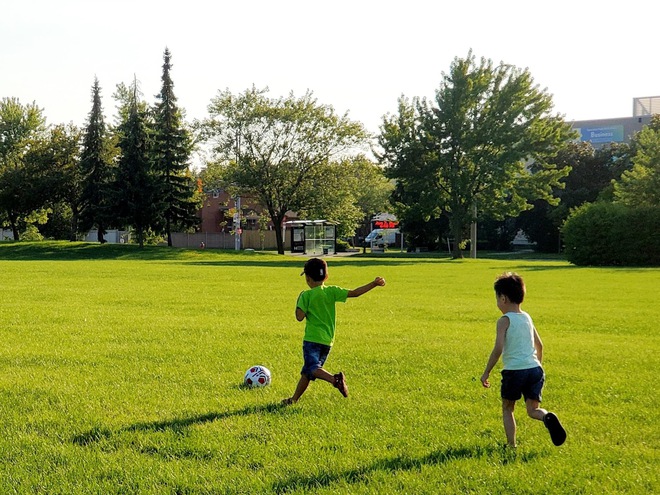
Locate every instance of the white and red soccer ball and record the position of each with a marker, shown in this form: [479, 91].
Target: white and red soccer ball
[257, 376]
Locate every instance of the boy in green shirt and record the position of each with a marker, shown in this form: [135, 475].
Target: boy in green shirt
[317, 306]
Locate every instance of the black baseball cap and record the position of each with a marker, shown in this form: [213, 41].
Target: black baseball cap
[316, 269]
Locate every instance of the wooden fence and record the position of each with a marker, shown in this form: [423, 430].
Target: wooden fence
[250, 239]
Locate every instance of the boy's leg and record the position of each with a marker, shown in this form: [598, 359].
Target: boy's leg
[533, 409]
[509, 421]
[303, 383]
[324, 375]
[338, 380]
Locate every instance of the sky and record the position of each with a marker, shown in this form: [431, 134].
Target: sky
[359, 56]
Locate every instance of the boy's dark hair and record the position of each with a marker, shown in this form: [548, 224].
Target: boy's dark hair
[316, 269]
[512, 286]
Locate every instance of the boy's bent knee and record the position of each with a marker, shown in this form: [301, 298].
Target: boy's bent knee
[533, 409]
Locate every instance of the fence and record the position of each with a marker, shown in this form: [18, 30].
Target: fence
[250, 239]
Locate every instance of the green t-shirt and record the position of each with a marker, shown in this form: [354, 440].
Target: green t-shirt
[318, 305]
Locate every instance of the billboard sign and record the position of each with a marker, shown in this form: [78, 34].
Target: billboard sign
[604, 134]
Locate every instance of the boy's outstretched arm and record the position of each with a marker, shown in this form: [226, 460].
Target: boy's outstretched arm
[377, 282]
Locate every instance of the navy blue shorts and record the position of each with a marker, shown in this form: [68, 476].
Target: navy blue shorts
[527, 383]
[315, 356]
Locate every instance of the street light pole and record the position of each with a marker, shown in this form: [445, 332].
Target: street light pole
[237, 224]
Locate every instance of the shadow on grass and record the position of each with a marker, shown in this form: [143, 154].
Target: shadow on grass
[177, 425]
[323, 479]
[76, 251]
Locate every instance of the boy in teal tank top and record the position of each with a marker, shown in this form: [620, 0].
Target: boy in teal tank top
[520, 346]
[317, 306]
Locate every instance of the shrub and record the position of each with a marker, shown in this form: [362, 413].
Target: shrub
[613, 234]
[341, 245]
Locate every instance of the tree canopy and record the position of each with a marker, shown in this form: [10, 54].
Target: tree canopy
[640, 186]
[466, 154]
[277, 149]
[21, 128]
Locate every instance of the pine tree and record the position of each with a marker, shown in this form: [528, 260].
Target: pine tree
[136, 197]
[171, 151]
[96, 170]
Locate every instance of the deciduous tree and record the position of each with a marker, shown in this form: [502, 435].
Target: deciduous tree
[465, 154]
[276, 150]
[640, 186]
[21, 126]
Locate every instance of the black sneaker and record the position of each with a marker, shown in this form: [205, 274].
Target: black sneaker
[557, 432]
[340, 383]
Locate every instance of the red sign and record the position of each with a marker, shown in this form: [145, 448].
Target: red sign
[385, 224]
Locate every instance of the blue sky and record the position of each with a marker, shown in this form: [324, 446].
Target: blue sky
[358, 56]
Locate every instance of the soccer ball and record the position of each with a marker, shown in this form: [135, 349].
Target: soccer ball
[257, 376]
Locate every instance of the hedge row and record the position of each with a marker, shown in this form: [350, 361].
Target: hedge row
[613, 234]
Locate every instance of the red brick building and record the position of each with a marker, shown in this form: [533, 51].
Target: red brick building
[217, 214]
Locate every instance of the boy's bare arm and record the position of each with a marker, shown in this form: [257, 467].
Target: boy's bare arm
[300, 314]
[377, 282]
[538, 345]
[502, 327]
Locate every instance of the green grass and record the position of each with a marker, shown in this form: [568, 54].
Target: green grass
[120, 373]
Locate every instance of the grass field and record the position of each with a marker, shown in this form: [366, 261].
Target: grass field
[120, 373]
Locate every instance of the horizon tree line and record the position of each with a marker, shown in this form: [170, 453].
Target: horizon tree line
[487, 148]
[134, 175]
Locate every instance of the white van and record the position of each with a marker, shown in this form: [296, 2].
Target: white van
[382, 237]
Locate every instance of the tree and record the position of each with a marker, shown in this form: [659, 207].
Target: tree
[172, 148]
[135, 196]
[277, 150]
[96, 169]
[55, 180]
[20, 127]
[591, 172]
[419, 210]
[640, 186]
[372, 190]
[465, 155]
[354, 189]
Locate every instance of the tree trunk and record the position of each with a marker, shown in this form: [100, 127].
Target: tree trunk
[277, 225]
[278, 235]
[100, 233]
[74, 226]
[168, 229]
[457, 232]
[13, 221]
[140, 236]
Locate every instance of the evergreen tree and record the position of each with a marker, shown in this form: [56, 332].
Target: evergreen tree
[136, 200]
[96, 170]
[171, 152]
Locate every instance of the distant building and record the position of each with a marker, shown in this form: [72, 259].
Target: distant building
[219, 213]
[618, 130]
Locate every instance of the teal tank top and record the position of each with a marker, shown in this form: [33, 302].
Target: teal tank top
[519, 352]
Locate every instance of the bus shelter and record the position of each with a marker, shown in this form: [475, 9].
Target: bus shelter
[312, 237]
